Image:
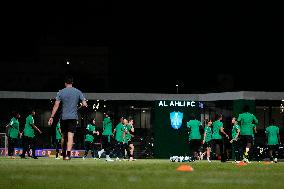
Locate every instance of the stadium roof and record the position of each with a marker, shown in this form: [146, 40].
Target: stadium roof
[246, 95]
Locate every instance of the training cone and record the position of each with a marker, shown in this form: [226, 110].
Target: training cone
[185, 168]
[242, 163]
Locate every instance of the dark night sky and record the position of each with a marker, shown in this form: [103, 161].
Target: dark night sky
[205, 47]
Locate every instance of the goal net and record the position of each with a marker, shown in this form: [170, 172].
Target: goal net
[3, 144]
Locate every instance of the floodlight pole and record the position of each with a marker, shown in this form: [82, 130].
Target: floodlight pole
[177, 88]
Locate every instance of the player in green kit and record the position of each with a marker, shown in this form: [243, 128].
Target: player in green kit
[118, 132]
[89, 139]
[273, 140]
[58, 136]
[207, 138]
[13, 133]
[217, 138]
[129, 133]
[194, 127]
[246, 121]
[106, 136]
[254, 132]
[29, 135]
[236, 140]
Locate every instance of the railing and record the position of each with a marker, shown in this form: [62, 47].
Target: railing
[4, 142]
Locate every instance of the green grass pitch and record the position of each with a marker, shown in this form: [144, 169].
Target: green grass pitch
[99, 174]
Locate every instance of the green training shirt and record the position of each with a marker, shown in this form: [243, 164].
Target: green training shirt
[58, 134]
[194, 126]
[128, 136]
[90, 129]
[246, 122]
[14, 128]
[119, 132]
[235, 131]
[208, 132]
[107, 126]
[272, 132]
[29, 130]
[217, 125]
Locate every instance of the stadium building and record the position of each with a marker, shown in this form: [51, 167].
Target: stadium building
[155, 136]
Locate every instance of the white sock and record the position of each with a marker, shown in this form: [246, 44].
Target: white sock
[102, 151]
[247, 149]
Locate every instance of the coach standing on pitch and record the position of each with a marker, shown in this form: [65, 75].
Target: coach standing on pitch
[70, 97]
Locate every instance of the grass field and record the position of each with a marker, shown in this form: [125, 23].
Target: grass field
[96, 174]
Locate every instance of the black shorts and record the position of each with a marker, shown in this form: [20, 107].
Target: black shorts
[107, 140]
[68, 125]
[130, 142]
[117, 143]
[217, 141]
[273, 147]
[246, 139]
[195, 144]
[207, 144]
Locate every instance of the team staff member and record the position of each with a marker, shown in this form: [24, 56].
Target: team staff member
[29, 140]
[70, 97]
